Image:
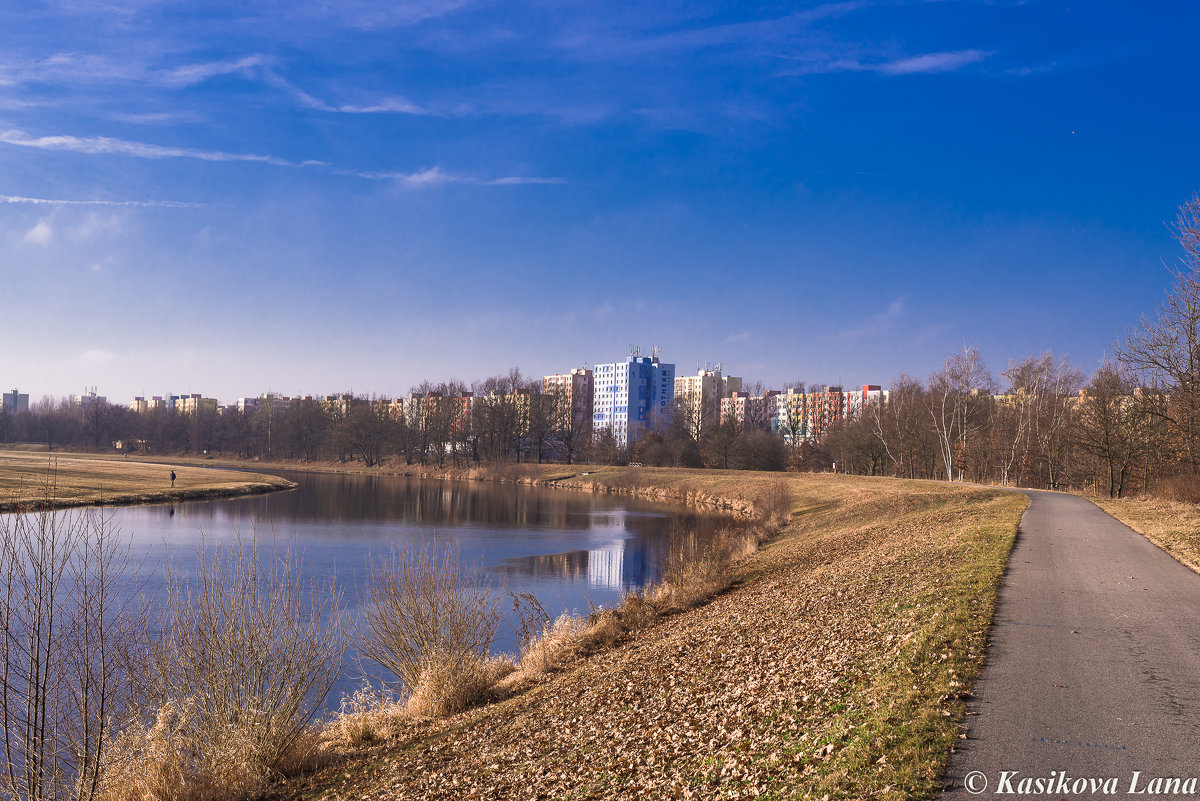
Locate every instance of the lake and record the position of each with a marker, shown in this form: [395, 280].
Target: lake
[572, 549]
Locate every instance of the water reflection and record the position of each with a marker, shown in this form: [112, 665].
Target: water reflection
[619, 566]
[572, 550]
[329, 497]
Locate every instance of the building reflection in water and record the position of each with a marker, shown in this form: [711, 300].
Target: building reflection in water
[624, 563]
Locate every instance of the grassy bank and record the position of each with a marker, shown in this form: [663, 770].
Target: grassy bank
[1171, 525]
[836, 664]
[78, 480]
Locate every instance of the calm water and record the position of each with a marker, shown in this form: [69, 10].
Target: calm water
[571, 549]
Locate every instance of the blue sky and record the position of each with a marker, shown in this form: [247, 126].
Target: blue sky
[308, 196]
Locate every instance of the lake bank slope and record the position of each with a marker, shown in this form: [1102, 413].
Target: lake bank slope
[836, 665]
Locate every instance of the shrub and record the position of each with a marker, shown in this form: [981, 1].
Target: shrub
[773, 506]
[698, 566]
[1181, 488]
[230, 675]
[432, 626]
[64, 616]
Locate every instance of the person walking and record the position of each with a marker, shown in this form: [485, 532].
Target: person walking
[172, 479]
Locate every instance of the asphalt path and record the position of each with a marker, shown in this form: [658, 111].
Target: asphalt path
[1093, 669]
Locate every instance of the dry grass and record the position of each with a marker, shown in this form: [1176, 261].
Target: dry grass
[699, 566]
[159, 760]
[1172, 525]
[836, 665]
[84, 480]
[228, 678]
[367, 716]
[773, 506]
[431, 624]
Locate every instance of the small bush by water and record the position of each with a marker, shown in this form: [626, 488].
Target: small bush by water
[432, 626]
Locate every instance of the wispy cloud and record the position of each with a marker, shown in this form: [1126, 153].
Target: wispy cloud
[139, 68]
[591, 45]
[932, 62]
[158, 117]
[96, 145]
[145, 204]
[388, 105]
[436, 176]
[878, 325]
[96, 357]
[925, 63]
[432, 176]
[516, 180]
[191, 74]
[370, 14]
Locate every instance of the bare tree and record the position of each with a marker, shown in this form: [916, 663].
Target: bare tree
[572, 420]
[720, 443]
[959, 394]
[95, 417]
[541, 419]
[900, 424]
[1043, 389]
[1114, 426]
[501, 414]
[1164, 352]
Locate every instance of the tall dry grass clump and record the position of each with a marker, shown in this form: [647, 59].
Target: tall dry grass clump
[1181, 489]
[544, 643]
[773, 506]
[229, 677]
[698, 566]
[432, 625]
[368, 715]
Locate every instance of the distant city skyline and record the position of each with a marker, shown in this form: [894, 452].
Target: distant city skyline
[312, 197]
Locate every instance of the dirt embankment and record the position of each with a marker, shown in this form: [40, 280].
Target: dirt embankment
[837, 664]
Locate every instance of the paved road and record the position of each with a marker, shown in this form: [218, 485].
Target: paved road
[1094, 665]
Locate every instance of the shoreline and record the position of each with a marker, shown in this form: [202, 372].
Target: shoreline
[150, 498]
[596, 479]
[844, 648]
[39, 480]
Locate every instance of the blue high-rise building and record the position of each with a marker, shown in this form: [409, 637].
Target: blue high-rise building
[633, 396]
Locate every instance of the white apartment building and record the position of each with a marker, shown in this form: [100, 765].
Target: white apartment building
[633, 396]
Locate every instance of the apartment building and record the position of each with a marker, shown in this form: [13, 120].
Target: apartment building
[633, 397]
[88, 398]
[194, 404]
[14, 402]
[699, 396]
[790, 416]
[750, 411]
[576, 391]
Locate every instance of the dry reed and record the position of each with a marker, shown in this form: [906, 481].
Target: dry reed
[432, 627]
[230, 676]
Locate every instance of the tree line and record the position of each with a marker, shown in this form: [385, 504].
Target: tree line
[1132, 425]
